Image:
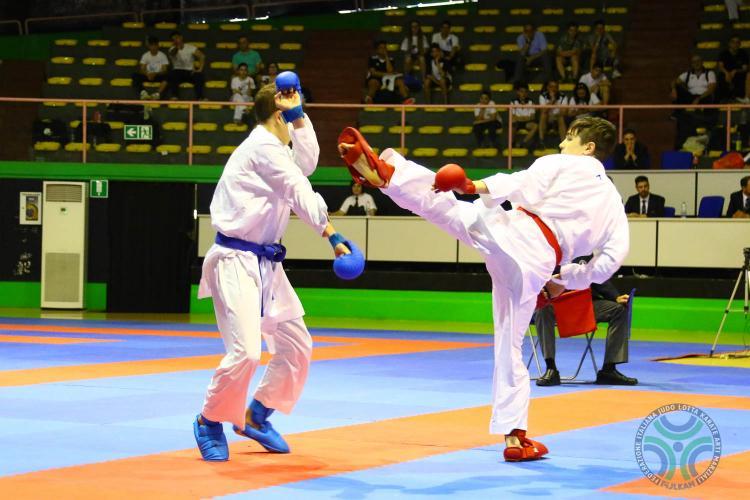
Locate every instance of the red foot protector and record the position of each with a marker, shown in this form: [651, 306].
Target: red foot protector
[529, 449]
[364, 165]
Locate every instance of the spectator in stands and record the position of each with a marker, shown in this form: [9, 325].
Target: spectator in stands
[450, 46]
[631, 154]
[603, 49]
[552, 117]
[243, 88]
[581, 97]
[597, 82]
[695, 86]
[248, 56]
[733, 72]
[381, 74]
[153, 68]
[524, 118]
[270, 74]
[486, 121]
[358, 203]
[739, 201]
[569, 52]
[187, 66]
[645, 203]
[733, 9]
[533, 52]
[437, 76]
[414, 46]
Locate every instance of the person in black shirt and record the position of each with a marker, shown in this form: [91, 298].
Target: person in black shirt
[381, 73]
[733, 71]
[631, 154]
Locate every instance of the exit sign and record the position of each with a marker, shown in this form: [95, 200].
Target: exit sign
[99, 188]
[138, 132]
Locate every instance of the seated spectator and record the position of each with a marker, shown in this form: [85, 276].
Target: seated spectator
[581, 97]
[733, 9]
[569, 52]
[358, 203]
[381, 75]
[597, 82]
[437, 75]
[603, 49]
[695, 86]
[533, 52]
[270, 74]
[739, 201]
[248, 56]
[554, 116]
[187, 66]
[523, 118]
[486, 121]
[733, 72]
[243, 88]
[153, 68]
[450, 46]
[414, 47]
[631, 154]
[645, 203]
[609, 306]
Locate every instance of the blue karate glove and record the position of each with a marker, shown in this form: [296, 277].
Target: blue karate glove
[288, 81]
[347, 266]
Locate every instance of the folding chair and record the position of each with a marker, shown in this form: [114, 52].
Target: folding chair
[574, 315]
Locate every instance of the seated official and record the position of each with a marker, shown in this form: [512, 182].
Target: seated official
[610, 307]
[739, 201]
[645, 203]
[359, 203]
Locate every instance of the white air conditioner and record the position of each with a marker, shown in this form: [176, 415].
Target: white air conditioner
[64, 244]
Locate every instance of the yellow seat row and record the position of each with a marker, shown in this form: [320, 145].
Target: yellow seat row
[112, 147]
[580, 11]
[514, 29]
[207, 27]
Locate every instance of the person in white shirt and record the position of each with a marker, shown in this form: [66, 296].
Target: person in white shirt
[523, 118]
[696, 86]
[243, 87]
[566, 207]
[152, 68]
[486, 121]
[552, 117]
[437, 75]
[450, 46]
[414, 47]
[597, 82]
[581, 97]
[358, 203]
[187, 66]
[263, 180]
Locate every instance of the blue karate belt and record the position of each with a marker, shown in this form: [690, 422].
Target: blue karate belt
[274, 252]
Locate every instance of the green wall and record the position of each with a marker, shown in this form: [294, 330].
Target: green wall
[27, 294]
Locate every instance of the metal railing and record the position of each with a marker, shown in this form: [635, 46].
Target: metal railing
[15, 22]
[404, 109]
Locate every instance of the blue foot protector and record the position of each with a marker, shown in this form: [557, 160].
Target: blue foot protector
[261, 430]
[211, 440]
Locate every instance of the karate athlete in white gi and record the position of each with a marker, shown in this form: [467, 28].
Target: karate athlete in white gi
[566, 207]
[262, 181]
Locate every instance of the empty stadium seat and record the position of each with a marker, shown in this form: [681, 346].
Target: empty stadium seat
[676, 160]
[711, 206]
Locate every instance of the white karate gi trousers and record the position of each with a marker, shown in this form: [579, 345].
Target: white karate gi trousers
[239, 110]
[519, 260]
[237, 282]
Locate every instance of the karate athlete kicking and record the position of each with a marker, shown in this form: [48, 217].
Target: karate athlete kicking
[566, 207]
[262, 180]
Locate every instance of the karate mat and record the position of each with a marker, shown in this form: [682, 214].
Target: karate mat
[94, 409]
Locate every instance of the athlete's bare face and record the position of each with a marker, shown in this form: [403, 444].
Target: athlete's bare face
[572, 145]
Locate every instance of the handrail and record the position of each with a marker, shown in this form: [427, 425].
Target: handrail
[402, 108]
[196, 9]
[16, 22]
[132, 15]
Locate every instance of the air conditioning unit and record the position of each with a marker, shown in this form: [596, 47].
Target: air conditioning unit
[64, 244]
